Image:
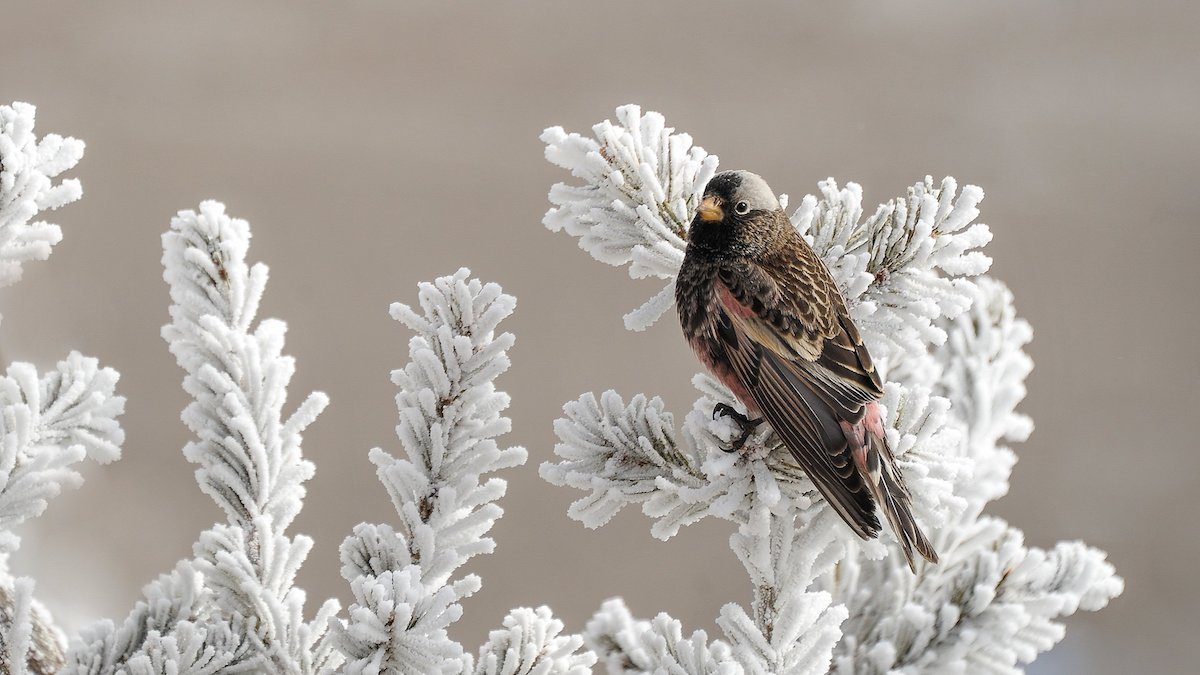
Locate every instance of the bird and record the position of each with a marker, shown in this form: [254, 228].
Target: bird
[766, 318]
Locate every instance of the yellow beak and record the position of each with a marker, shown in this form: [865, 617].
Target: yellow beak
[709, 210]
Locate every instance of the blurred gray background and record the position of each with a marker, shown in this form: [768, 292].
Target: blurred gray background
[373, 147]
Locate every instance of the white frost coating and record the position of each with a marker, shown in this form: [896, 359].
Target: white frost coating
[530, 644]
[619, 452]
[905, 266]
[992, 606]
[642, 183]
[246, 614]
[626, 645]
[951, 346]
[28, 167]
[984, 369]
[48, 424]
[405, 579]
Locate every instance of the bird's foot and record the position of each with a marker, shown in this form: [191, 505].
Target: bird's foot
[744, 423]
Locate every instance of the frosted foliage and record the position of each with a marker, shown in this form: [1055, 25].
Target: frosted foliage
[984, 368]
[173, 599]
[48, 424]
[951, 346]
[29, 640]
[905, 266]
[627, 645]
[619, 453]
[28, 169]
[993, 606]
[233, 607]
[249, 454]
[531, 644]
[406, 579]
[642, 183]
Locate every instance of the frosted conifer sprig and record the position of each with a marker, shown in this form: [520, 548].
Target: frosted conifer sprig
[628, 645]
[642, 183]
[984, 367]
[249, 455]
[904, 267]
[249, 615]
[405, 579]
[248, 451]
[531, 644]
[28, 167]
[48, 424]
[619, 452]
[992, 606]
[951, 347]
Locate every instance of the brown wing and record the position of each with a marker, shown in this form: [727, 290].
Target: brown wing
[802, 420]
[791, 304]
[791, 341]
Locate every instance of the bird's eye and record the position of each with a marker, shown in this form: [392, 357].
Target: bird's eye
[742, 208]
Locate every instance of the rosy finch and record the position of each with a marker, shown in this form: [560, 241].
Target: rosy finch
[764, 315]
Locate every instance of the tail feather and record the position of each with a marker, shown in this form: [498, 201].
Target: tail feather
[889, 491]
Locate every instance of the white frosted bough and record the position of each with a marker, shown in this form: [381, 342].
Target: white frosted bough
[627, 646]
[531, 643]
[28, 169]
[617, 452]
[406, 580]
[247, 614]
[642, 183]
[991, 606]
[904, 267]
[48, 424]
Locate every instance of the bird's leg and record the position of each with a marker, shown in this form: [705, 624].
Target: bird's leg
[744, 423]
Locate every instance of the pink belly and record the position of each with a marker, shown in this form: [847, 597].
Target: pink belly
[721, 370]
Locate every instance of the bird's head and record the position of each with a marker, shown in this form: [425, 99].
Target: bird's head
[738, 216]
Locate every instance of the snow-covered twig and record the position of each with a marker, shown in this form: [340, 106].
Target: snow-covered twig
[991, 606]
[405, 579]
[48, 424]
[28, 167]
[234, 606]
[641, 185]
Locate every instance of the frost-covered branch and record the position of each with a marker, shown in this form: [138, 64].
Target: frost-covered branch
[531, 644]
[904, 267]
[620, 453]
[983, 368]
[48, 423]
[405, 579]
[641, 185]
[234, 606]
[28, 167]
[992, 605]
[628, 645]
[951, 347]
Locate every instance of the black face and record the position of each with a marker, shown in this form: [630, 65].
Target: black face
[734, 216]
[725, 186]
[719, 234]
